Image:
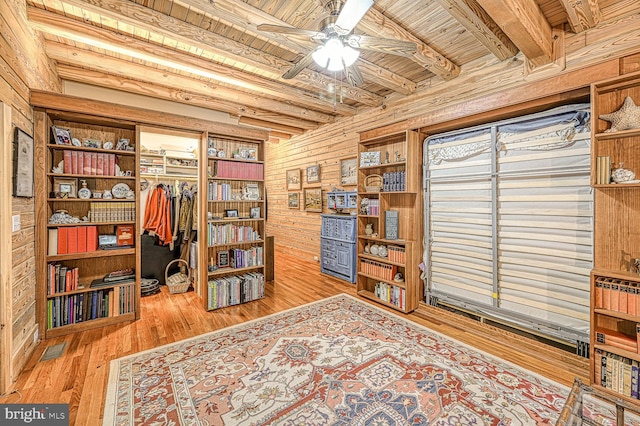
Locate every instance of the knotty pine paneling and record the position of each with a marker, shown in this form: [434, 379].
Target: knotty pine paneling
[23, 65]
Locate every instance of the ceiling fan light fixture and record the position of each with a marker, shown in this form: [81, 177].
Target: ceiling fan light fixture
[321, 56]
[349, 55]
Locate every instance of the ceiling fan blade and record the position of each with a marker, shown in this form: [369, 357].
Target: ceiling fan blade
[292, 31]
[299, 66]
[351, 13]
[383, 45]
[353, 75]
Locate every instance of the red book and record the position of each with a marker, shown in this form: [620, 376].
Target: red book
[112, 165]
[624, 299]
[67, 282]
[606, 295]
[62, 240]
[100, 168]
[74, 162]
[615, 297]
[124, 235]
[87, 163]
[68, 164]
[632, 300]
[72, 239]
[92, 238]
[81, 162]
[82, 239]
[598, 300]
[94, 163]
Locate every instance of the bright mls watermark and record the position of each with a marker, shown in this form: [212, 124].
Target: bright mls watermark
[34, 414]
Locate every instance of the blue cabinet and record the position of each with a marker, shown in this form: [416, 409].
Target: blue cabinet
[338, 246]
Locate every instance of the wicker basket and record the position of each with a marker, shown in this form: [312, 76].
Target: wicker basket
[179, 282]
[373, 183]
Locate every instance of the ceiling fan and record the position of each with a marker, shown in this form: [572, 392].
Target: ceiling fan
[339, 49]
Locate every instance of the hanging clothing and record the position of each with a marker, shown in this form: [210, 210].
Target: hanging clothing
[158, 210]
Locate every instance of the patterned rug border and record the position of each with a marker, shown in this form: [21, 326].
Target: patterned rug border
[110, 404]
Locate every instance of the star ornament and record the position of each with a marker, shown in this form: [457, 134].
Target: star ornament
[627, 117]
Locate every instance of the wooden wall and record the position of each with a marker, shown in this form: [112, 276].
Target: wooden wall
[486, 85]
[23, 65]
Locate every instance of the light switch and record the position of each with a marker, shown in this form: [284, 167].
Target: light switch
[15, 223]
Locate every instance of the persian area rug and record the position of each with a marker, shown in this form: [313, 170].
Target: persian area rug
[339, 361]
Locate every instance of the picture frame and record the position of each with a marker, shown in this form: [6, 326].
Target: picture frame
[61, 136]
[223, 259]
[65, 187]
[123, 144]
[231, 213]
[369, 158]
[92, 143]
[293, 180]
[293, 201]
[249, 153]
[22, 164]
[313, 174]
[313, 199]
[254, 213]
[251, 191]
[349, 171]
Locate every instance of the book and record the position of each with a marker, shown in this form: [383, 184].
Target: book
[124, 235]
[72, 239]
[391, 225]
[62, 240]
[82, 239]
[53, 242]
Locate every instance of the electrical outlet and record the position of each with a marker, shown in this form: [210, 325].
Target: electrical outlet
[15, 223]
[315, 258]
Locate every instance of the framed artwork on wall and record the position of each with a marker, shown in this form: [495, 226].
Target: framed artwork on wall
[293, 200]
[22, 164]
[313, 199]
[313, 174]
[349, 171]
[293, 179]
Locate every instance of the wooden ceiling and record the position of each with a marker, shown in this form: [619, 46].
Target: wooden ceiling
[209, 53]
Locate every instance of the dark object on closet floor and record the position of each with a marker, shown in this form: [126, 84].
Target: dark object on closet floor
[155, 258]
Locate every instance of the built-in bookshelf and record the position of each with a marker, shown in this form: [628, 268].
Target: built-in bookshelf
[159, 165]
[615, 279]
[234, 239]
[389, 220]
[86, 221]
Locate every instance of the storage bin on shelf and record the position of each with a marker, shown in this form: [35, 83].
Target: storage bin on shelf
[373, 183]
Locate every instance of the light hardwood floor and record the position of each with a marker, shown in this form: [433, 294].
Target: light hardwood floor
[79, 377]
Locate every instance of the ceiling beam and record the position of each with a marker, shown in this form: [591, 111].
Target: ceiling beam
[141, 80]
[147, 19]
[247, 18]
[61, 26]
[582, 14]
[375, 23]
[269, 125]
[473, 17]
[523, 22]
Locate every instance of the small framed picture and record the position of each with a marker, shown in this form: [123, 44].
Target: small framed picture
[249, 153]
[313, 174]
[65, 187]
[93, 143]
[349, 171]
[254, 213]
[231, 213]
[223, 259]
[61, 136]
[251, 191]
[313, 199]
[293, 200]
[123, 144]
[22, 164]
[293, 179]
[369, 158]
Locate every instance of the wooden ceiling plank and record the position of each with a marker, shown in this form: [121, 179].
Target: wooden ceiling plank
[245, 16]
[583, 14]
[70, 55]
[58, 25]
[289, 130]
[203, 100]
[473, 17]
[169, 27]
[523, 22]
[374, 22]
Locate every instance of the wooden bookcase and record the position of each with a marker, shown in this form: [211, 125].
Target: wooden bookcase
[69, 309]
[397, 160]
[615, 280]
[233, 240]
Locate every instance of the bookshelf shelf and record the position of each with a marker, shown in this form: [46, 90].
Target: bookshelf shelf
[87, 149]
[226, 271]
[380, 259]
[236, 244]
[90, 324]
[615, 278]
[372, 296]
[91, 254]
[66, 225]
[101, 177]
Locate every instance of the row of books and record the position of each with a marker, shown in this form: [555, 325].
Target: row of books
[380, 270]
[396, 254]
[77, 308]
[394, 181]
[617, 295]
[112, 212]
[234, 290]
[619, 340]
[218, 191]
[72, 239]
[373, 208]
[603, 170]
[239, 258]
[391, 294]
[230, 234]
[238, 170]
[617, 373]
[61, 278]
[89, 163]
